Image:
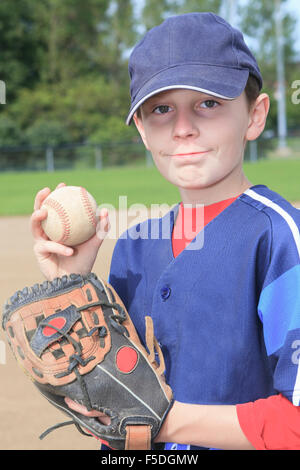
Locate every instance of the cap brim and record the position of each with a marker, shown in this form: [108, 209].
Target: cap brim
[221, 82]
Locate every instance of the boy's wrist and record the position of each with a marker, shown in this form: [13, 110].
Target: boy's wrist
[210, 426]
[171, 424]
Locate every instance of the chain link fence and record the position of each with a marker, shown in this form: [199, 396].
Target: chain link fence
[102, 155]
[72, 156]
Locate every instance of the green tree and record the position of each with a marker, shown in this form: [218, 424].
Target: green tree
[73, 32]
[20, 46]
[257, 20]
[155, 11]
[80, 51]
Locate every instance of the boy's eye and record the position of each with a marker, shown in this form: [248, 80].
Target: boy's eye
[162, 109]
[209, 104]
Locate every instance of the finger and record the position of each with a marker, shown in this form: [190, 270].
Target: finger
[60, 185]
[103, 225]
[40, 197]
[104, 215]
[83, 410]
[47, 247]
[36, 228]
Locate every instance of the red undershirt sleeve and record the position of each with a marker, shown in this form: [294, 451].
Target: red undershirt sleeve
[271, 424]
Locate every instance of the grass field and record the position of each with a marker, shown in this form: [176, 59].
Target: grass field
[139, 184]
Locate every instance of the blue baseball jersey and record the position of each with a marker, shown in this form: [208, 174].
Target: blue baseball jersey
[226, 313]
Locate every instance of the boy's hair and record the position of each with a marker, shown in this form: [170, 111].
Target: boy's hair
[252, 90]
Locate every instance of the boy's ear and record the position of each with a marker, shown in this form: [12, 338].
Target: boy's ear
[139, 125]
[258, 116]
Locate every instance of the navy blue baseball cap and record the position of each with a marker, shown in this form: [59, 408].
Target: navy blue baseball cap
[197, 51]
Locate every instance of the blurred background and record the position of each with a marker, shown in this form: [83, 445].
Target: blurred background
[64, 70]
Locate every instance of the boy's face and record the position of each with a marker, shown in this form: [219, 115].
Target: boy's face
[197, 141]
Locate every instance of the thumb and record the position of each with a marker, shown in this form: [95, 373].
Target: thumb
[103, 225]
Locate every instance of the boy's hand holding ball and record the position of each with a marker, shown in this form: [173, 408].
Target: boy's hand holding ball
[67, 230]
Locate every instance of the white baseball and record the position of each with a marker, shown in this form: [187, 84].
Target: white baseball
[71, 218]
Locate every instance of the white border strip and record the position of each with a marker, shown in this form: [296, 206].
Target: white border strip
[172, 87]
[295, 231]
[296, 392]
[289, 220]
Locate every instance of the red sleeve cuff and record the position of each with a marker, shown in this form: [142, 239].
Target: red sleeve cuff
[271, 424]
[250, 425]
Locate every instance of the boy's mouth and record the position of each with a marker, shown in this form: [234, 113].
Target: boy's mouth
[188, 154]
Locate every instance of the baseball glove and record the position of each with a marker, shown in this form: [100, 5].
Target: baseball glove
[74, 338]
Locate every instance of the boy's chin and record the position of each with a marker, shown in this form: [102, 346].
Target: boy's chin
[193, 185]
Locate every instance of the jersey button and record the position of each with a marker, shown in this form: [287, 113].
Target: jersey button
[165, 292]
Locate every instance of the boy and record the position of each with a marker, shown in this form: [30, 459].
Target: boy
[225, 313]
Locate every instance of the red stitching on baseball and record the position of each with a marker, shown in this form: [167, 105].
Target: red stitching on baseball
[66, 226]
[87, 206]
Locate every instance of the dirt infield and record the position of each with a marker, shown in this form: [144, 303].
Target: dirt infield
[24, 414]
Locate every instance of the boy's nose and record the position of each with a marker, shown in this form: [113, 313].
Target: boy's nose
[184, 127]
